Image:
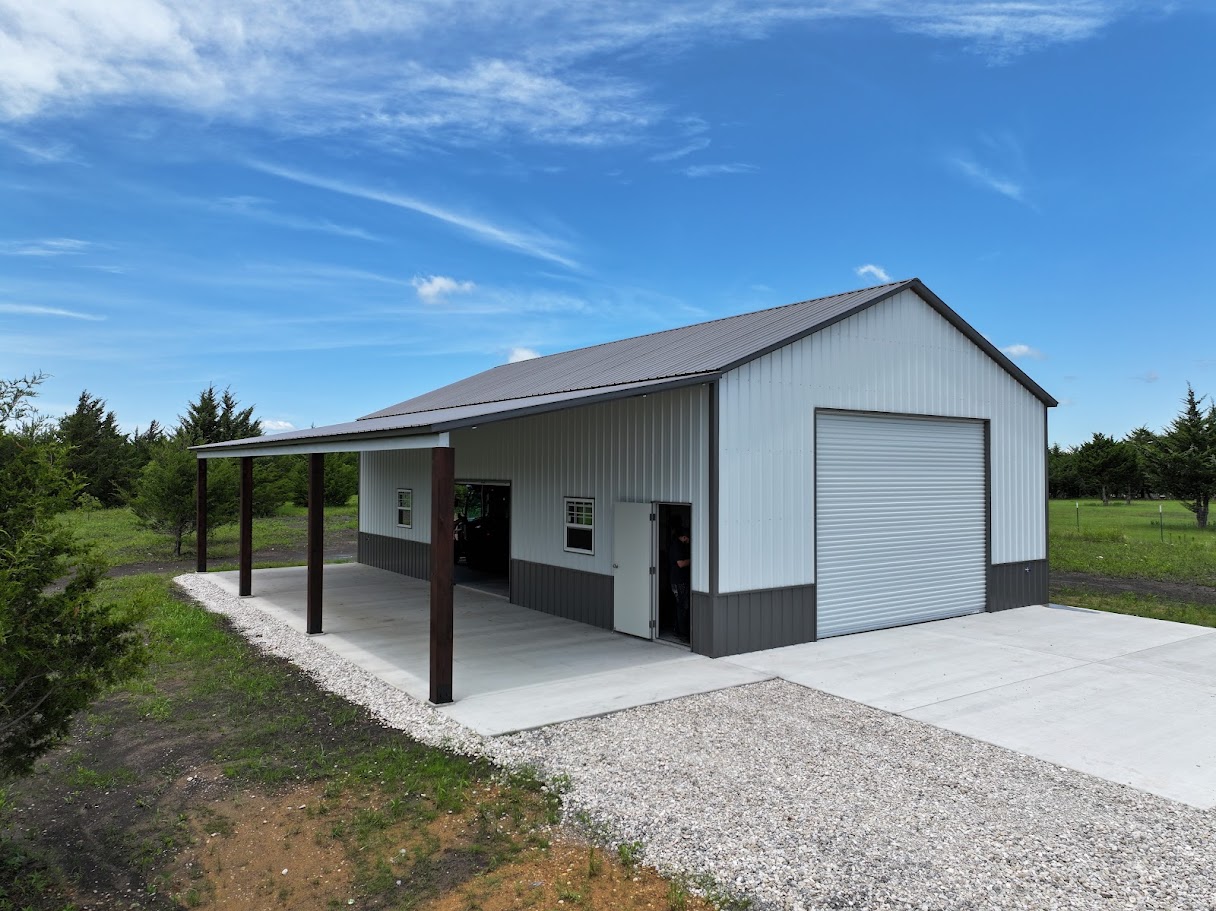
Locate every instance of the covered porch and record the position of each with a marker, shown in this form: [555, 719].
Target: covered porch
[512, 668]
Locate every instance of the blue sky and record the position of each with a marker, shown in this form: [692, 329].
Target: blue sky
[330, 208]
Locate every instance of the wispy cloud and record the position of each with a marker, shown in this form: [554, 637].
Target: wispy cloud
[878, 273]
[1023, 352]
[714, 170]
[521, 354]
[434, 288]
[533, 244]
[55, 246]
[258, 209]
[37, 310]
[983, 177]
[1149, 376]
[688, 148]
[472, 73]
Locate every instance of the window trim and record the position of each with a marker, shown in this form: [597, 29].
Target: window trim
[567, 525]
[398, 508]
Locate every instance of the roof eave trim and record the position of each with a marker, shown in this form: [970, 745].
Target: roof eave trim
[368, 441]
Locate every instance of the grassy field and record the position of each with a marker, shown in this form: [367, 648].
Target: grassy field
[226, 778]
[121, 539]
[1147, 539]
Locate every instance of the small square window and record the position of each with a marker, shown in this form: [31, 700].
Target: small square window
[405, 508]
[580, 525]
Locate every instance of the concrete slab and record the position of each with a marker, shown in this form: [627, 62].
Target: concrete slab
[1124, 698]
[1192, 660]
[533, 706]
[1139, 729]
[1084, 634]
[512, 668]
[904, 669]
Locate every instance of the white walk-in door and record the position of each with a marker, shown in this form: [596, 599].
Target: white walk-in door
[633, 569]
[901, 521]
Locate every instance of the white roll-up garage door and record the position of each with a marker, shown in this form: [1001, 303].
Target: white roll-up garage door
[900, 531]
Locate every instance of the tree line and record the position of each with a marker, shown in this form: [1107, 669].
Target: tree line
[153, 470]
[1178, 463]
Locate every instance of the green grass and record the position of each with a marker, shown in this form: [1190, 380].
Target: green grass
[120, 538]
[1139, 605]
[265, 726]
[1146, 539]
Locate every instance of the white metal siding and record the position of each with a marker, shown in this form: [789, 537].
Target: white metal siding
[380, 476]
[901, 521]
[641, 449]
[898, 356]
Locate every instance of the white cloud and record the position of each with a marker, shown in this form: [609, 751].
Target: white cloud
[533, 244]
[540, 70]
[713, 170]
[37, 310]
[688, 148]
[434, 288]
[55, 246]
[272, 426]
[1149, 376]
[522, 354]
[877, 272]
[256, 209]
[984, 177]
[1022, 352]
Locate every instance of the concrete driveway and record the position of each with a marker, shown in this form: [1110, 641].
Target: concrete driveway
[1127, 699]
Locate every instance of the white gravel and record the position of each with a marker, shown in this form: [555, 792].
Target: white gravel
[796, 799]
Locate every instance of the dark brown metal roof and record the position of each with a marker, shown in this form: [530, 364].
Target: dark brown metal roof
[675, 357]
[711, 347]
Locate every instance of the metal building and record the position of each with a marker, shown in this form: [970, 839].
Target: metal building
[843, 464]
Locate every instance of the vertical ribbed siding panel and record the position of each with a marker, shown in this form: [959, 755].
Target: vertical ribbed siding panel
[647, 448]
[898, 356]
[380, 474]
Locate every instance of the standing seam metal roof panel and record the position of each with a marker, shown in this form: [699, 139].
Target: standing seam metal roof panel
[699, 348]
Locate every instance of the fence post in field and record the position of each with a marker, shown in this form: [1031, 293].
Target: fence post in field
[1078, 515]
[1161, 520]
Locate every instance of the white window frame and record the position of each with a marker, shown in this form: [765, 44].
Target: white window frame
[400, 508]
[567, 525]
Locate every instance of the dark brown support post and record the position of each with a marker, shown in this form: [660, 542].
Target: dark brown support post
[443, 498]
[316, 538]
[245, 572]
[200, 517]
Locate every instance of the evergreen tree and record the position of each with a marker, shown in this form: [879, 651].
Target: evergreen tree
[216, 419]
[1106, 464]
[144, 443]
[1183, 458]
[98, 453]
[59, 650]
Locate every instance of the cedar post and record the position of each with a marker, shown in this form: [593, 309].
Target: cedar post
[316, 538]
[245, 572]
[200, 518]
[443, 497]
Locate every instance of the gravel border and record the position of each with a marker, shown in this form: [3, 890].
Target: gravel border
[795, 799]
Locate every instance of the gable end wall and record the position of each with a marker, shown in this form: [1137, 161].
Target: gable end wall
[899, 356]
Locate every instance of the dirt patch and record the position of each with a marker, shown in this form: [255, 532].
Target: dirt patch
[340, 544]
[564, 874]
[252, 852]
[1171, 591]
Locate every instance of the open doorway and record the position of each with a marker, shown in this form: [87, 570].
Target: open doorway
[675, 521]
[482, 545]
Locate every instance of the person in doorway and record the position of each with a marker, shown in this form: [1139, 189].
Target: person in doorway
[679, 563]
